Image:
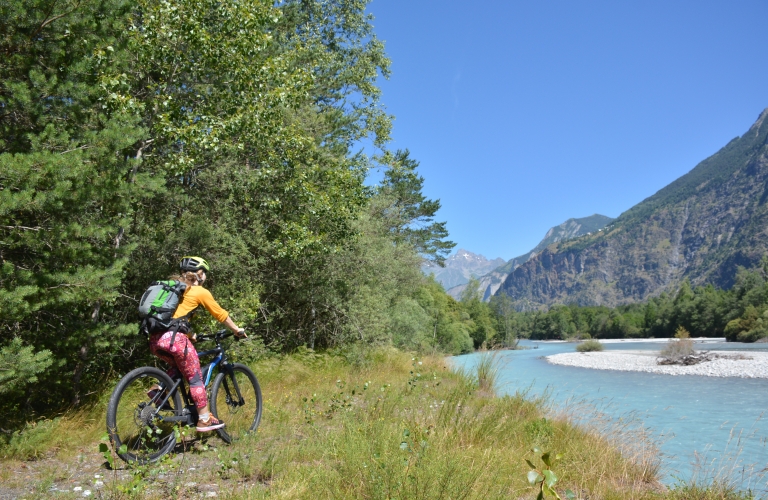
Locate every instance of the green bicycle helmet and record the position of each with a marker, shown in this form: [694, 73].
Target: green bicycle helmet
[190, 263]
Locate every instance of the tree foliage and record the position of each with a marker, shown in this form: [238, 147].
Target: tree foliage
[135, 132]
[67, 195]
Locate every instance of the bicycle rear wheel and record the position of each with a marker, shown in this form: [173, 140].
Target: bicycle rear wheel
[134, 413]
[236, 401]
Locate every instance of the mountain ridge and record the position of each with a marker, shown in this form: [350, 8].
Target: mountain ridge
[700, 227]
[460, 267]
[573, 227]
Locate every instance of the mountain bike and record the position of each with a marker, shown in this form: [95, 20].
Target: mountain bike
[147, 407]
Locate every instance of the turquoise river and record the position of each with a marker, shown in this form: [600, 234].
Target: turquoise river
[705, 427]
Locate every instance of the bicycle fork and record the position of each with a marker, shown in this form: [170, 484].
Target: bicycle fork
[230, 400]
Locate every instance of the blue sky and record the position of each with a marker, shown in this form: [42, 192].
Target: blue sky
[525, 114]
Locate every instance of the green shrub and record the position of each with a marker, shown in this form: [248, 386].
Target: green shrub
[677, 349]
[589, 346]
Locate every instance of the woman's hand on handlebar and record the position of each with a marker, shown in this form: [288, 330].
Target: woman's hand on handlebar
[239, 332]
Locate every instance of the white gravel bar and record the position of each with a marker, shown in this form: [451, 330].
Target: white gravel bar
[755, 364]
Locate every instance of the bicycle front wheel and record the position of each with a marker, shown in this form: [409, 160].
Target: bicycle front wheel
[135, 415]
[236, 400]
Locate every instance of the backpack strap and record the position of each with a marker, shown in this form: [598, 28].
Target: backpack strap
[179, 323]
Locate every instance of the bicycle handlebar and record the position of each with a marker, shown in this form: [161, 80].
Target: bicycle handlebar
[220, 335]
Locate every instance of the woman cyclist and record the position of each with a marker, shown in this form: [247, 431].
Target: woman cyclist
[178, 351]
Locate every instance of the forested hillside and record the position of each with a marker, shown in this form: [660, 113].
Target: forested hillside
[702, 227]
[135, 132]
[740, 314]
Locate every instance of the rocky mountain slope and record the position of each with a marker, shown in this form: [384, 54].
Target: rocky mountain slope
[700, 227]
[490, 283]
[460, 267]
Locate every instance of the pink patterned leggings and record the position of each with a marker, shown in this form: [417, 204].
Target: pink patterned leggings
[182, 356]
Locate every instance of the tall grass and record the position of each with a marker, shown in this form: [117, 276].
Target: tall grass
[487, 370]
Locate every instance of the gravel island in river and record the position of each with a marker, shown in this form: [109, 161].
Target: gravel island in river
[729, 364]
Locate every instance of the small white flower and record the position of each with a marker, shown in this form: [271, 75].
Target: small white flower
[211, 494]
[97, 476]
[77, 488]
[87, 493]
[98, 483]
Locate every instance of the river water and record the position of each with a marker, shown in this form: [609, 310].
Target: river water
[706, 427]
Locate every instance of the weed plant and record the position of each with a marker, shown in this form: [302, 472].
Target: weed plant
[677, 349]
[589, 346]
[388, 425]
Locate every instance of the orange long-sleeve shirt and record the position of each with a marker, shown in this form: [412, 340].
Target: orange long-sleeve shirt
[196, 296]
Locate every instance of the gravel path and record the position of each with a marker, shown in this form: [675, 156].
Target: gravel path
[753, 364]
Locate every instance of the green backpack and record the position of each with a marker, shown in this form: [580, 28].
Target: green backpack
[158, 304]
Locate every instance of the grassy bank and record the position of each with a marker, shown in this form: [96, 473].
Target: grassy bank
[386, 425]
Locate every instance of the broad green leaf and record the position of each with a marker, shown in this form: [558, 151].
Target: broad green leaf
[550, 478]
[534, 477]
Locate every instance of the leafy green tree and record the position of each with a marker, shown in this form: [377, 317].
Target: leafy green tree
[504, 311]
[449, 333]
[250, 125]
[346, 58]
[480, 320]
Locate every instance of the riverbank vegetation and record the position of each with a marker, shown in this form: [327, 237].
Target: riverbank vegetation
[373, 424]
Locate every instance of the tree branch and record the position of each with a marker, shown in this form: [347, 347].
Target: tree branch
[23, 228]
[139, 153]
[49, 20]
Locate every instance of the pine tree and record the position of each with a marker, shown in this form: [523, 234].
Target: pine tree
[67, 190]
[411, 215]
